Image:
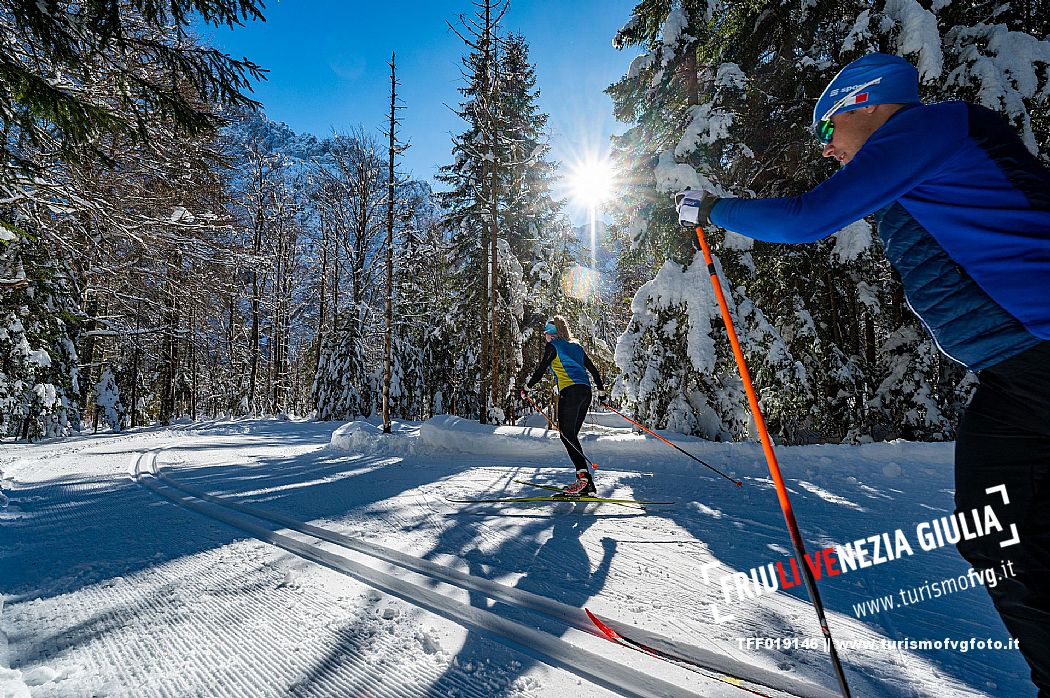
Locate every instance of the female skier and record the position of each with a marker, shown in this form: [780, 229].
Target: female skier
[570, 364]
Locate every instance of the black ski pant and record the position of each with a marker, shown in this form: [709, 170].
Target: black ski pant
[1004, 439]
[573, 404]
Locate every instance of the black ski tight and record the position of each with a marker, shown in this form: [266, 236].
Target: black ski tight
[573, 404]
[1004, 439]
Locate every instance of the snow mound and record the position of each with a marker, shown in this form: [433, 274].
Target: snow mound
[606, 419]
[361, 435]
[450, 433]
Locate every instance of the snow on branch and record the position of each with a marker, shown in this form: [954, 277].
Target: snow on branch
[1004, 65]
[918, 35]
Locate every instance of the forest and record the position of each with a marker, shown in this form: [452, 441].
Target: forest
[167, 252]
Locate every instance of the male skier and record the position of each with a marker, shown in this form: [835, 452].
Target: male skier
[963, 211]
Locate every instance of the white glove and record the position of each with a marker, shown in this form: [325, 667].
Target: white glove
[694, 207]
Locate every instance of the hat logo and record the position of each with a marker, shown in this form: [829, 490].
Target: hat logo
[852, 96]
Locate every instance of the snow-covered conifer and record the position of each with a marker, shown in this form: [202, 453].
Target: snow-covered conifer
[499, 208]
[345, 387]
[721, 98]
[107, 400]
[38, 359]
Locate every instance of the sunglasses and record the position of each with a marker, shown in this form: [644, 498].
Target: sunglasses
[824, 131]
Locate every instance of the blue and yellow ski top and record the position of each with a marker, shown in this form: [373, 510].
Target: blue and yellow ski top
[569, 363]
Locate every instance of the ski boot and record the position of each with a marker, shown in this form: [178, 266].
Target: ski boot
[583, 487]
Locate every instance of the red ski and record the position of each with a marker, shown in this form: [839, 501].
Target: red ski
[751, 686]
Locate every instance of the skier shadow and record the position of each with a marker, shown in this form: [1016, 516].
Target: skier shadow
[485, 665]
[560, 569]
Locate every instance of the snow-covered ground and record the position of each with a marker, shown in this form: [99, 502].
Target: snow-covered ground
[277, 558]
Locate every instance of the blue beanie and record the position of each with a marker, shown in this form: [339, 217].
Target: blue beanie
[877, 78]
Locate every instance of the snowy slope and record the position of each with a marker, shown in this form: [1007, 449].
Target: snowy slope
[372, 583]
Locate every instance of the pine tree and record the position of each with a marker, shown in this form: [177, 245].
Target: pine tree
[501, 208]
[428, 338]
[51, 68]
[684, 111]
[533, 222]
[344, 387]
[39, 387]
[473, 203]
[107, 400]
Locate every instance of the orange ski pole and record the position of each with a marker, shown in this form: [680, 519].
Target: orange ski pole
[774, 467]
[675, 446]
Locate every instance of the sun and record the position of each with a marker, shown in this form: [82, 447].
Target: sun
[591, 181]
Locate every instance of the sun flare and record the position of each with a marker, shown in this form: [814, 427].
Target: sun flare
[592, 181]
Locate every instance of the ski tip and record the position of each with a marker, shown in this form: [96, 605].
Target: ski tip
[738, 483]
[605, 629]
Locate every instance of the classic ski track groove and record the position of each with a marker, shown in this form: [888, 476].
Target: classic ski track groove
[556, 652]
[122, 643]
[569, 656]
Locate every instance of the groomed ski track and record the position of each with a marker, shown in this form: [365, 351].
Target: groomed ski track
[417, 581]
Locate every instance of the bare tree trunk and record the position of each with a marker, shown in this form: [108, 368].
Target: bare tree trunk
[336, 273]
[276, 339]
[387, 335]
[192, 346]
[493, 238]
[493, 294]
[170, 357]
[87, 355]
[321, 300]
[253, 370]
[135, 359]
[483, 325]
[488, 193]
[290, 241]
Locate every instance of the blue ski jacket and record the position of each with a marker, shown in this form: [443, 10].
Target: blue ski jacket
[963, 211]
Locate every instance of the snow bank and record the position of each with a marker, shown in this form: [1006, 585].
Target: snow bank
[361, 435]
[606, 419]
[599, 419]
[451, 434]
[894, 465]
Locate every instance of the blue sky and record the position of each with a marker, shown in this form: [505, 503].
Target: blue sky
[328, 68]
